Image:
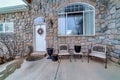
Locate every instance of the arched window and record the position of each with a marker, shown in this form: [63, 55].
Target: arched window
[76, 19]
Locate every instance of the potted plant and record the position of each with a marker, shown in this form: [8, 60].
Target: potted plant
[50, 51]
[77, 48]
[54, 57]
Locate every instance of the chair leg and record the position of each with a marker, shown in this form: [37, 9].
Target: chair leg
[88, 58]
[106, 63]
[81, 57]
[74, 58]
[59, 59]
[70, 58]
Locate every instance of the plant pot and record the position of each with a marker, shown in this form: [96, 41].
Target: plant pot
[49, 52]
[77, 48]
[54, 57]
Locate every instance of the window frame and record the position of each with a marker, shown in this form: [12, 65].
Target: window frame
[4, 27]
[66, 13]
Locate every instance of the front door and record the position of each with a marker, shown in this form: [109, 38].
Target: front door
[40, 37]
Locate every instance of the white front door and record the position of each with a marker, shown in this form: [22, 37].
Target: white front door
[40, 39]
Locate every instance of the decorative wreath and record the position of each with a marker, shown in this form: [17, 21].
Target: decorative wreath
[40, 31]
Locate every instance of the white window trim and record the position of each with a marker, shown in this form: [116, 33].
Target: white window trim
[83, 19]
[4, 31]
[3, 28]
[83, 23]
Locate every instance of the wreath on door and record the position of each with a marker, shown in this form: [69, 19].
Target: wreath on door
[40, 31]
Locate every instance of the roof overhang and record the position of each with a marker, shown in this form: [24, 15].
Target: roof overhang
[13, 8]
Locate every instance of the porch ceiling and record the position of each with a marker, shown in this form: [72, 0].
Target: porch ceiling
[8, 6]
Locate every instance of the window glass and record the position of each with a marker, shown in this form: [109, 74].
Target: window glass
[62, 24]
[9, 27]
[75, 24]
[76, 7]
[76, 19]
[6, 27]
[1, 27]
[89, 23]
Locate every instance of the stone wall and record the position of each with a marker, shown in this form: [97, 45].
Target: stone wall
[48, 10]
[107, 23]
[114, 26]
[23, 27]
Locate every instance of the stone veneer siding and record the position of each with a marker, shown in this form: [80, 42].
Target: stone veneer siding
[107, 23]
[23, 28]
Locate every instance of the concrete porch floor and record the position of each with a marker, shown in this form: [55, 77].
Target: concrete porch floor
[46, 69]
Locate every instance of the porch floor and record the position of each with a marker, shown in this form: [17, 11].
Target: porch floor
[46, 69]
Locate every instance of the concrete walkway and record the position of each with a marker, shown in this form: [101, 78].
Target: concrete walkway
[76, 70]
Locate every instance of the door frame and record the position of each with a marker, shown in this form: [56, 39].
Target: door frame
[34, 36]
